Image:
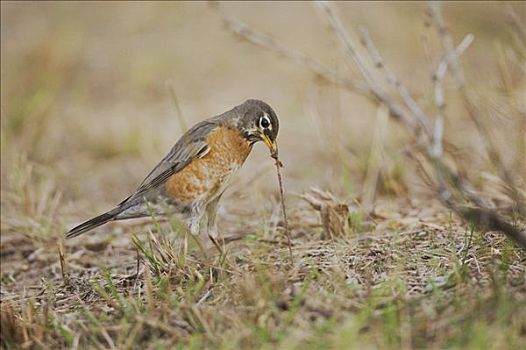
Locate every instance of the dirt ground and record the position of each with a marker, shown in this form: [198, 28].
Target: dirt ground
[95, 94]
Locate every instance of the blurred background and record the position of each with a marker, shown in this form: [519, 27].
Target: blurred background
[90, 93]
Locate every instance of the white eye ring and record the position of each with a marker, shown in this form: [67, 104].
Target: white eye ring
[264, 122]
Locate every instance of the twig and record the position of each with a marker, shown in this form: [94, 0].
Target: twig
[438, 77]
[446, 40]
[284, 211]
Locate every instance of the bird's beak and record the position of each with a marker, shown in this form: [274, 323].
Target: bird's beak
[272, 146]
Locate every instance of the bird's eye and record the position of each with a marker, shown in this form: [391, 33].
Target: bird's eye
[264, 122]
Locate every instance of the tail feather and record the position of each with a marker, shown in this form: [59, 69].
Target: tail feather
[92, 223]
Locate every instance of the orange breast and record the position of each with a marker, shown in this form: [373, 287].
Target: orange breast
[204, 177]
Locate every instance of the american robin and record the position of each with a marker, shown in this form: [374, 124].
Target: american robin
[191, 178]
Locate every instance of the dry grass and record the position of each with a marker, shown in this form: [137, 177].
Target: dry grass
[377, 262]
[411, 279]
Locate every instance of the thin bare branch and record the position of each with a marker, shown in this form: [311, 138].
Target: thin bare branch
[446, 40]
[438, 77]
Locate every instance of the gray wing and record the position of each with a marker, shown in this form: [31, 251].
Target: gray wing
[190, 146]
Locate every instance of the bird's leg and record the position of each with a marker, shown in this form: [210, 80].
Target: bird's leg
[194, 231]
[217, 245]
[211, 227]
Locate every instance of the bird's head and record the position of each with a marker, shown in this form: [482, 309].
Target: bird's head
[259, 122]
